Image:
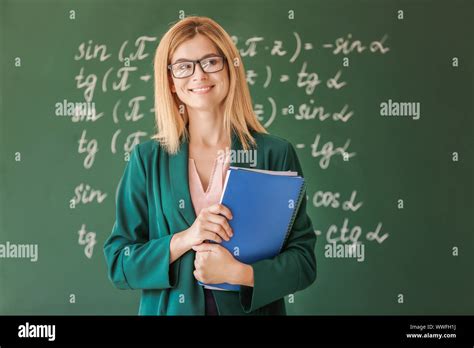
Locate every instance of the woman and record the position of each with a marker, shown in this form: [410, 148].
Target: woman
[168, 199]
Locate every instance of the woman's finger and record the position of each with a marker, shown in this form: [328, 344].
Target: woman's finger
[221, 220]
[221, 209]
[212, 236]
[218, 229]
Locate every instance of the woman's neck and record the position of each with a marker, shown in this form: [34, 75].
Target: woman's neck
[206, 129]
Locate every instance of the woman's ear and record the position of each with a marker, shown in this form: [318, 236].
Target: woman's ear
[172, 86]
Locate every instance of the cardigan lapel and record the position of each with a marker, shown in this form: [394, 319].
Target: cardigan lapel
[179, 178]
[178, 173]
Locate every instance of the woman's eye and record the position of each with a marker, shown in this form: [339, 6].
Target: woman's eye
[184, 66]
[211, 61]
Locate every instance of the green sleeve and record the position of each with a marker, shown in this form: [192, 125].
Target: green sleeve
[133, 260]
[294, 268]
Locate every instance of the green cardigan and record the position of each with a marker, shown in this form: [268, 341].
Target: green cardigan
[153, 202]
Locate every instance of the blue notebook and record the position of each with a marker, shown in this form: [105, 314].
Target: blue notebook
[264, 205]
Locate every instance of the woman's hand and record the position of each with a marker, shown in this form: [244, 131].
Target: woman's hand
[209, 225]
[214, 264]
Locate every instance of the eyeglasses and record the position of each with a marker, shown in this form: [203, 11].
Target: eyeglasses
[185, 69]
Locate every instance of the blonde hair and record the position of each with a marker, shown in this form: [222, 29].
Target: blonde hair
[238, 115]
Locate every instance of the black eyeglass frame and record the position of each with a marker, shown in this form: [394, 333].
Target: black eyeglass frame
[170, 66]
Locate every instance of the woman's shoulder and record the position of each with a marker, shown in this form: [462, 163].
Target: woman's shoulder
[277, 152]
[146, 153]
[148, 146]
[148, 149]
[272, 142]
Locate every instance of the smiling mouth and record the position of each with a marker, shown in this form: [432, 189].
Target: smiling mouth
[201, 90]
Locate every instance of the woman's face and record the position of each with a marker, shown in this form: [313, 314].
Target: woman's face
[200, 47]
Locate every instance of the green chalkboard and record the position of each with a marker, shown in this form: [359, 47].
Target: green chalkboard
[376, 96]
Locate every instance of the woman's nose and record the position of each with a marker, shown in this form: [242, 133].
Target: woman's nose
[199, 73]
